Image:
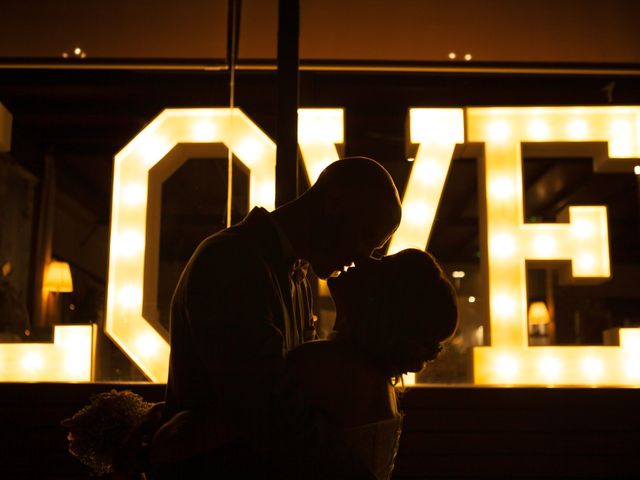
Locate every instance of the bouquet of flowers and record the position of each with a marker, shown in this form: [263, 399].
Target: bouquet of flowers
[111, 434]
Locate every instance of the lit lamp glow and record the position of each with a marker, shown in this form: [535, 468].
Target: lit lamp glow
[539, 314]
[57, 278]
[539, 320]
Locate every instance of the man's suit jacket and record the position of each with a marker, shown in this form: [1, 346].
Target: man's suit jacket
[232, 319]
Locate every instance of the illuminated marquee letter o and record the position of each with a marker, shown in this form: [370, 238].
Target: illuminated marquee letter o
[125, 323]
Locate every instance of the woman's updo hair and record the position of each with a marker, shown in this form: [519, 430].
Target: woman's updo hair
[408, 312]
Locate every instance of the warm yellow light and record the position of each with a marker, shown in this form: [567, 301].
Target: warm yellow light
[550, 368]
[583, 229]
[415, 212]
[622, 141]
[408, 379]
[503, 305]
[538, 314]
[68, 359]
[544, 245]
[130, 243]
[452, 55]
[502, 189]
[585, 262]
[205, 131]
[539, 130]
[319, 131]
[265, 192]
[250, 150]
[581, 235]
[636, 169]
[458, 274]
[152, 148]
[577, 130]
[32, 362]
[632, 369]
[592, 368]
[583, 240]
[499, 130]
[503, 245]
[320, 125]
[472, 299]
[630, 339]
[506, 367]
[148, 345]
[134, 194]
[57, 278]
[5, 129]
[428, 172]
[323, 288]
[437, 131]
[130, 297]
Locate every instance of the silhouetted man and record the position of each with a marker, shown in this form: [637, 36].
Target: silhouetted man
[242, 303]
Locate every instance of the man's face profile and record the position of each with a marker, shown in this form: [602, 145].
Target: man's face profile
[343, 243]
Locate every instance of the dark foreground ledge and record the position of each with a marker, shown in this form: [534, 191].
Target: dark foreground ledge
[450, 432]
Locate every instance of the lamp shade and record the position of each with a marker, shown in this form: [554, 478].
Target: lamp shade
[58, 277]
[538, 314]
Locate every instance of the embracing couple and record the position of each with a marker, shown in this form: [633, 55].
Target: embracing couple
[252, 392]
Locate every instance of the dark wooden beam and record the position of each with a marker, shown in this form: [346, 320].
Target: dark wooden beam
[288, 92]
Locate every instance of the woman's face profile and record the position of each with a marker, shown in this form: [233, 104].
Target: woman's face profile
[351, 289]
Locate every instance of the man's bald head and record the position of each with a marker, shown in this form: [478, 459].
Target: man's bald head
[356, 208]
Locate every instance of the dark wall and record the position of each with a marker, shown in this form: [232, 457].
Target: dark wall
[449, 433]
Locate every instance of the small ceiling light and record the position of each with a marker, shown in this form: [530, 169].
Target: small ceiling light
[77, 50]
[452, 56]
[472, 299]
[65, 55]
[411, 159]
[467, 57]
[636, 169]
[458, 274]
